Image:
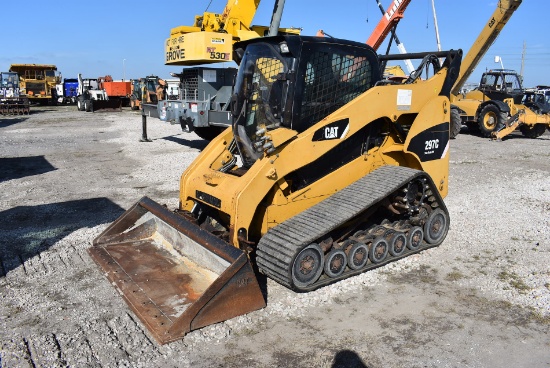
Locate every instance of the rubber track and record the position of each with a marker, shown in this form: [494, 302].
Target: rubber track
[278, 247]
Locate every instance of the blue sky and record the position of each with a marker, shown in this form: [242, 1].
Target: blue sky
[126, 38]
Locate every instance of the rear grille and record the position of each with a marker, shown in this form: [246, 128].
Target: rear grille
[190, 83]
[191, 79]
[35, 88]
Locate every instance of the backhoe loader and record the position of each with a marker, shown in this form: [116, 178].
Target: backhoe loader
[326, 172]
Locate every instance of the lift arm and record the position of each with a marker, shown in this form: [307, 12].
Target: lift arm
[488, 35]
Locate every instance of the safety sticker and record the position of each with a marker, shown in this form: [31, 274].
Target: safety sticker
[404, 99]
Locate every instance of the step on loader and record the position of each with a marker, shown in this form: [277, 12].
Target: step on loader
[327, 171]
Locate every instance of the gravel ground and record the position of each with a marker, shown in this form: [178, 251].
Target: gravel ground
[481, 299]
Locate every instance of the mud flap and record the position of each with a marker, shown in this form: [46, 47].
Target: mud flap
[106, 105]
[175, 276]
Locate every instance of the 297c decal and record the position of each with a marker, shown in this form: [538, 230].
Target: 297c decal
[431, 144]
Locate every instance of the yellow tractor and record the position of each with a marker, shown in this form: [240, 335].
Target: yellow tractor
[495, 108]
[498, 107]
[327, 171]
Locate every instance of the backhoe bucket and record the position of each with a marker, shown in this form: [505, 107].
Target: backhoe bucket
[175, 276]
[106, 105]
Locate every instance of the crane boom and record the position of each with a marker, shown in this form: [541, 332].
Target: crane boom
[399, 45]
[488, 35]
[436, 27]
[276, 18]
[389, 20]
[236, 16]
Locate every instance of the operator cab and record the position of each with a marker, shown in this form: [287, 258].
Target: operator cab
[538, 99]
[294, 82]
[499, 84]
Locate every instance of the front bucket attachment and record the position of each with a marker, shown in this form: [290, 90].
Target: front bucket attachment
[175, 276]
[106, 105]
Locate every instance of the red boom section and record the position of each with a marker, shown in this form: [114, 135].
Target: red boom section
[389, 20]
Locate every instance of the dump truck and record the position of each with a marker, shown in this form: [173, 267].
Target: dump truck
[38, 82]
[12, 101]
[91, 98]
[328, 171]
[116, 90]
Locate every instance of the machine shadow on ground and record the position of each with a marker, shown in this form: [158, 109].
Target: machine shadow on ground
[348, 359]
[200, 144]
[20, 167]
[26, 231]
[6, 122]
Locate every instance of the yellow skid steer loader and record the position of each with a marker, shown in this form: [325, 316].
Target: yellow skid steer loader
[327, 171]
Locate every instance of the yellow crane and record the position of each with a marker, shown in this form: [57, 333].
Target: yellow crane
[210, 39]
[204, 93]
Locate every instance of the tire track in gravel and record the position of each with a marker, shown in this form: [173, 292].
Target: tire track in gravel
[102, 342]
[116, 342]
